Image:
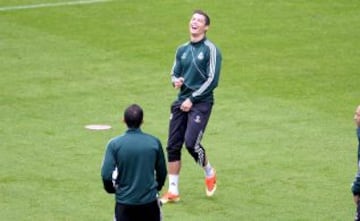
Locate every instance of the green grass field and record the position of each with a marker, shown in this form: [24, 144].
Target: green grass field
[281, 135]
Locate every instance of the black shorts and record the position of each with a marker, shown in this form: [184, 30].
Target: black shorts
[146, 212]
[186, 128]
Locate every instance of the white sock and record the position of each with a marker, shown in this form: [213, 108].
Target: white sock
[173, 184]
[209, 172]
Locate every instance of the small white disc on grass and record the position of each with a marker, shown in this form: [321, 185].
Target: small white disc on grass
[98, 127]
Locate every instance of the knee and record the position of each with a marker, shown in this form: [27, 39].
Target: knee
[197, 153]
[192, 146]
[190, 142]
[174, 154]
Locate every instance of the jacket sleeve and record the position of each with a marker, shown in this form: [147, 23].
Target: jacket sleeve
[176, 69]
[160, 167]
[109, 186]
[107, 168]
[356, 184]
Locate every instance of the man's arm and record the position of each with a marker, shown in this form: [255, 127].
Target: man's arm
[160, 168]
[107, 169]
[109, 186]
[356, 184]
[176, 70]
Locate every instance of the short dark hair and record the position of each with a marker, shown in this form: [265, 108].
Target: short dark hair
[201, 12]
[133, 116]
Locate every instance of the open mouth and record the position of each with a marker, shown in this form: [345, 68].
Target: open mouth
[193, 27]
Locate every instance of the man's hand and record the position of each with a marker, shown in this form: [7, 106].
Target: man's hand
[178, 82]
[357, 116]
[186, 105]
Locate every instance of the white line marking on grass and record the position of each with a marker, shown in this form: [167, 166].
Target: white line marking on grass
[46, 5]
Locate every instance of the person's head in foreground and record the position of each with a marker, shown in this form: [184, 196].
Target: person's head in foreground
[133, 116]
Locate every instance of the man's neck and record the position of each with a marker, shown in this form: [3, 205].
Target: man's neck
[196, 38]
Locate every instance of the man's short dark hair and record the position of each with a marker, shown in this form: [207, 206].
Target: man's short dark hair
[133, 116]
[201, 12]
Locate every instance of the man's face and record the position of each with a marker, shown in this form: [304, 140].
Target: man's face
[197, 24]
[357, 116]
